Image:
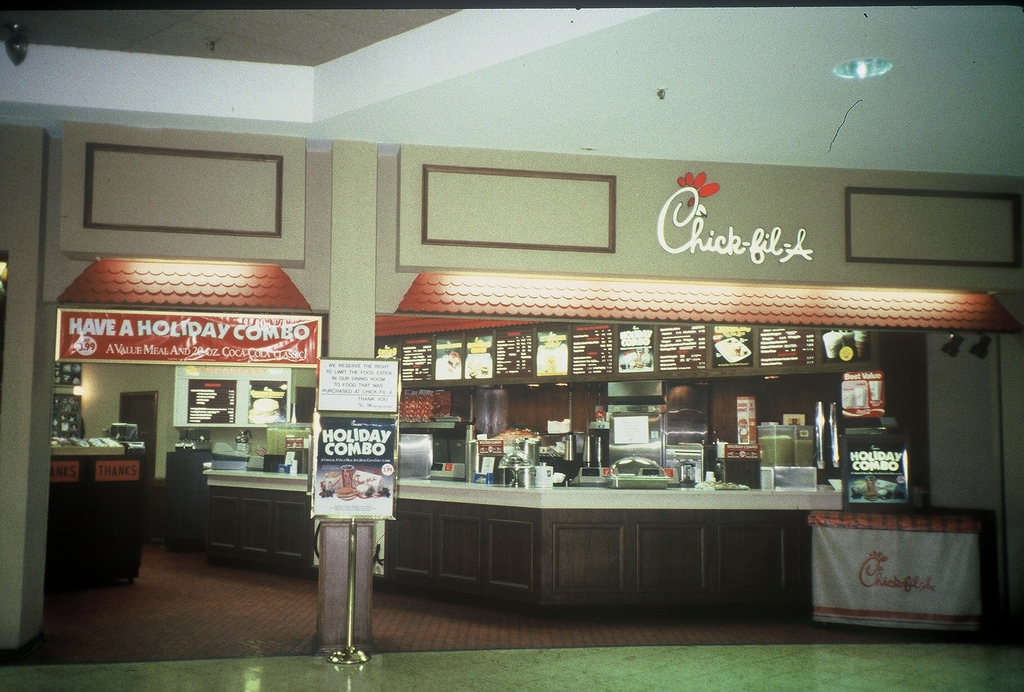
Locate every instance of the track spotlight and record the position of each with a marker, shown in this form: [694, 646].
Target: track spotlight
[17, 43]
[952, 347]
[980, 349]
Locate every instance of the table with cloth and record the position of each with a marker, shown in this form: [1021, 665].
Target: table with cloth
[897, 570]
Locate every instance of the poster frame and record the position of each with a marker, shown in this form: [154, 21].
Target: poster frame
[852, 443]
[321, 502]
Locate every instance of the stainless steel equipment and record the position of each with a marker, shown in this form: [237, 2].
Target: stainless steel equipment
[415, 455]
[686, 461]
[518, 463]
[637, 430]
[638, 473]
[826, 435]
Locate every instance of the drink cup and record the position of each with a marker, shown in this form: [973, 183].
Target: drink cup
[348, 474]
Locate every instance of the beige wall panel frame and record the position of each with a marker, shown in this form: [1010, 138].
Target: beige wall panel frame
[938, 227]
[182, 191]
[146, 193]
[537, 210]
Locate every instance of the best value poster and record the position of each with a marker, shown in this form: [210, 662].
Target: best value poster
[354, 467]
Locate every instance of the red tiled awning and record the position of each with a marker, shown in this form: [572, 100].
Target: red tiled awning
[396, 325]
[593, 299]
[191, 285]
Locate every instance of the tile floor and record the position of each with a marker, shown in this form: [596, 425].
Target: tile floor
[836, 668]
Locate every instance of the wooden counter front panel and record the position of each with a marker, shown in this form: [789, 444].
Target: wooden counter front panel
[260, 526]
[615, 556]
[255, 526]
[511, 555]
[752, 559]
[458, 549]
[588, 558]
[409, 545]
[671, 557]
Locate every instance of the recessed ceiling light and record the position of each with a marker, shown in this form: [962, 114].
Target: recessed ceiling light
[862, 68]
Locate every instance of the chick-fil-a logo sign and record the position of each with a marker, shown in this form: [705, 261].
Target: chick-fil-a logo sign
[761, 245]
[872, 574]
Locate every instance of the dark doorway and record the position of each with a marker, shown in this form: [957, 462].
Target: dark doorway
[140, 408]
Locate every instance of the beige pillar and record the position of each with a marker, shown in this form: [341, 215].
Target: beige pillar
[351, 335]
[27, 390]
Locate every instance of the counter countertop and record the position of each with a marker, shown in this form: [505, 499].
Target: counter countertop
[609, 498]
[258, 479]
[559, 497]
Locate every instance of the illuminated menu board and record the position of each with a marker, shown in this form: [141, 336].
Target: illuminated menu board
[448, 357]
[552, 352]
[636, 349]
[480, 356]
[782, 346]
[513, 353]
[211, 401]
[733, 346]
[593, 349]
[388, 350]
[417, 360]
[682, 347]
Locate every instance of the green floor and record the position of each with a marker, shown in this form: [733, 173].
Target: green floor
[960, 667]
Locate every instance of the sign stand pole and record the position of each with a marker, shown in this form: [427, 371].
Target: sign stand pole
[350, 654]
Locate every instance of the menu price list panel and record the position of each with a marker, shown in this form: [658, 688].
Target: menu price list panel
[682, 347]
[592, 349]
[212, 401]
[417, 360]
[783, 346]
[513, 352]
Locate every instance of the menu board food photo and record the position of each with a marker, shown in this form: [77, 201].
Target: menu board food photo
[268, 402]
[448, 358]
[480, 357]
[733, 346]
[846, 345]
[552, 353]
[636, 349]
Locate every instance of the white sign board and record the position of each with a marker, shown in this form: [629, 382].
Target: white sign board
[358, 385]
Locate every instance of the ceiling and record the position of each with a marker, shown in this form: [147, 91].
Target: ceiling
[706, 84]
[284, 37]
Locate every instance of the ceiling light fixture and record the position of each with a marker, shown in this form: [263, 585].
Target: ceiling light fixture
[16, 44]
[862, 68]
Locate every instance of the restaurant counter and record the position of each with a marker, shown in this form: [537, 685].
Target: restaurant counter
[260, 520]
[603, 546]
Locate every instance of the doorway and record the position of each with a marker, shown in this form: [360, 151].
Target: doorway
[140, 408]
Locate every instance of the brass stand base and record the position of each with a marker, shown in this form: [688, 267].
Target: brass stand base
[349, 655]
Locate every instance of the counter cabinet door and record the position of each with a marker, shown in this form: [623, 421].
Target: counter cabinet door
[409, 545]
[223, 522]
[764, 560]
[673, 561]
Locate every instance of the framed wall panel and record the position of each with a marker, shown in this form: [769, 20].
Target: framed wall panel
[170, 190]
[937, 227]
[535, 210]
